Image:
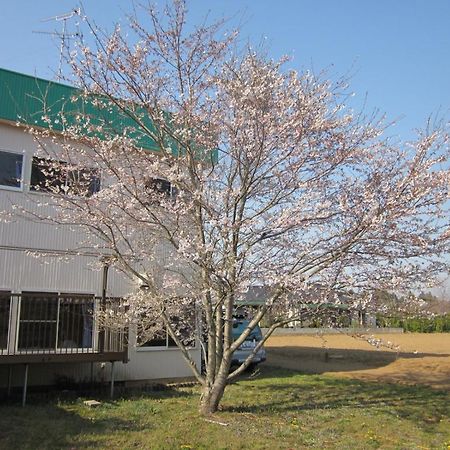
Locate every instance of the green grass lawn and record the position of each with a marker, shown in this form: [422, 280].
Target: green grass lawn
[276, 409]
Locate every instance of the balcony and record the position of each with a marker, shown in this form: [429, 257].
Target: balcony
[47, 327]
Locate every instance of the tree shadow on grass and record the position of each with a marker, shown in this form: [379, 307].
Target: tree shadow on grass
[410, 368]
[58, 420]
[302, 393]
[42, 394]
[50, 426]
[319, 360]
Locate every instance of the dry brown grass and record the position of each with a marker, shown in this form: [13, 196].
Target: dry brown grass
[410, 358]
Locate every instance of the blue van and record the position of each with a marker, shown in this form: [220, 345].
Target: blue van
[241, 354]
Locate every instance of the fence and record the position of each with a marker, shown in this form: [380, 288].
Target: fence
[48, 323]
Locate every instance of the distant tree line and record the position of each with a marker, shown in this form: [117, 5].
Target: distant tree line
[437, 324]
[433, 315]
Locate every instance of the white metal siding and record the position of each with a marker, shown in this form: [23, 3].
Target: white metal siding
[20, 271]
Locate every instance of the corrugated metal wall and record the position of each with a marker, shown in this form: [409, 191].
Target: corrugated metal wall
[20, 271]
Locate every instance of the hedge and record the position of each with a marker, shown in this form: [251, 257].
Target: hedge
[438, 324]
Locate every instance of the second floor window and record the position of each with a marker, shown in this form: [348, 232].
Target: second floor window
[160, 187]
[11, 169]
[48, 175]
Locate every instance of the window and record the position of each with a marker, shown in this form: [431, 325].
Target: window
[11, 169]
[53, 176]
[38, 321]
[83, 182]
[162, 187]
[75, 321]
[160, 338]
[5, 305]
[49, 321]
[185, 330]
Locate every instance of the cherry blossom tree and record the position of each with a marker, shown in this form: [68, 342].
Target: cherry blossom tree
[259, 175]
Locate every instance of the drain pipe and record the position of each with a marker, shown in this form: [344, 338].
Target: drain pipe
[106, 263]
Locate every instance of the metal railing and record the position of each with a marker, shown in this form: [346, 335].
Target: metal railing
[50, 323]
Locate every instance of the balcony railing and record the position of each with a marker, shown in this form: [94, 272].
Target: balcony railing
[56, 324]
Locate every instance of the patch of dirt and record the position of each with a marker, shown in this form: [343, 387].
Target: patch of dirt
[412, 358]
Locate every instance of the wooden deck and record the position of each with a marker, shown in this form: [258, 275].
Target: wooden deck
[35, 358]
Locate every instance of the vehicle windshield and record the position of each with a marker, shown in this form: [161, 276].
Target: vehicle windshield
[239, 327]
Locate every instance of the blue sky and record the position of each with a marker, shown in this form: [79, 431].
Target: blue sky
[396, 52]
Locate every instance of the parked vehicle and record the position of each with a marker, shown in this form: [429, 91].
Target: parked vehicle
[244, 350]
[241, 354]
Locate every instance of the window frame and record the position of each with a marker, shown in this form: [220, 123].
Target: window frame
[21, 180]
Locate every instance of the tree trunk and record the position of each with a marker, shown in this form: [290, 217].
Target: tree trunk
[211, 397]
[215, 387]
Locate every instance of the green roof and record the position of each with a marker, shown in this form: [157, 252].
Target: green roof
[42, 103]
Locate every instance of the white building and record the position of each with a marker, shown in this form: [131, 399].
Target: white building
[46, 325]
